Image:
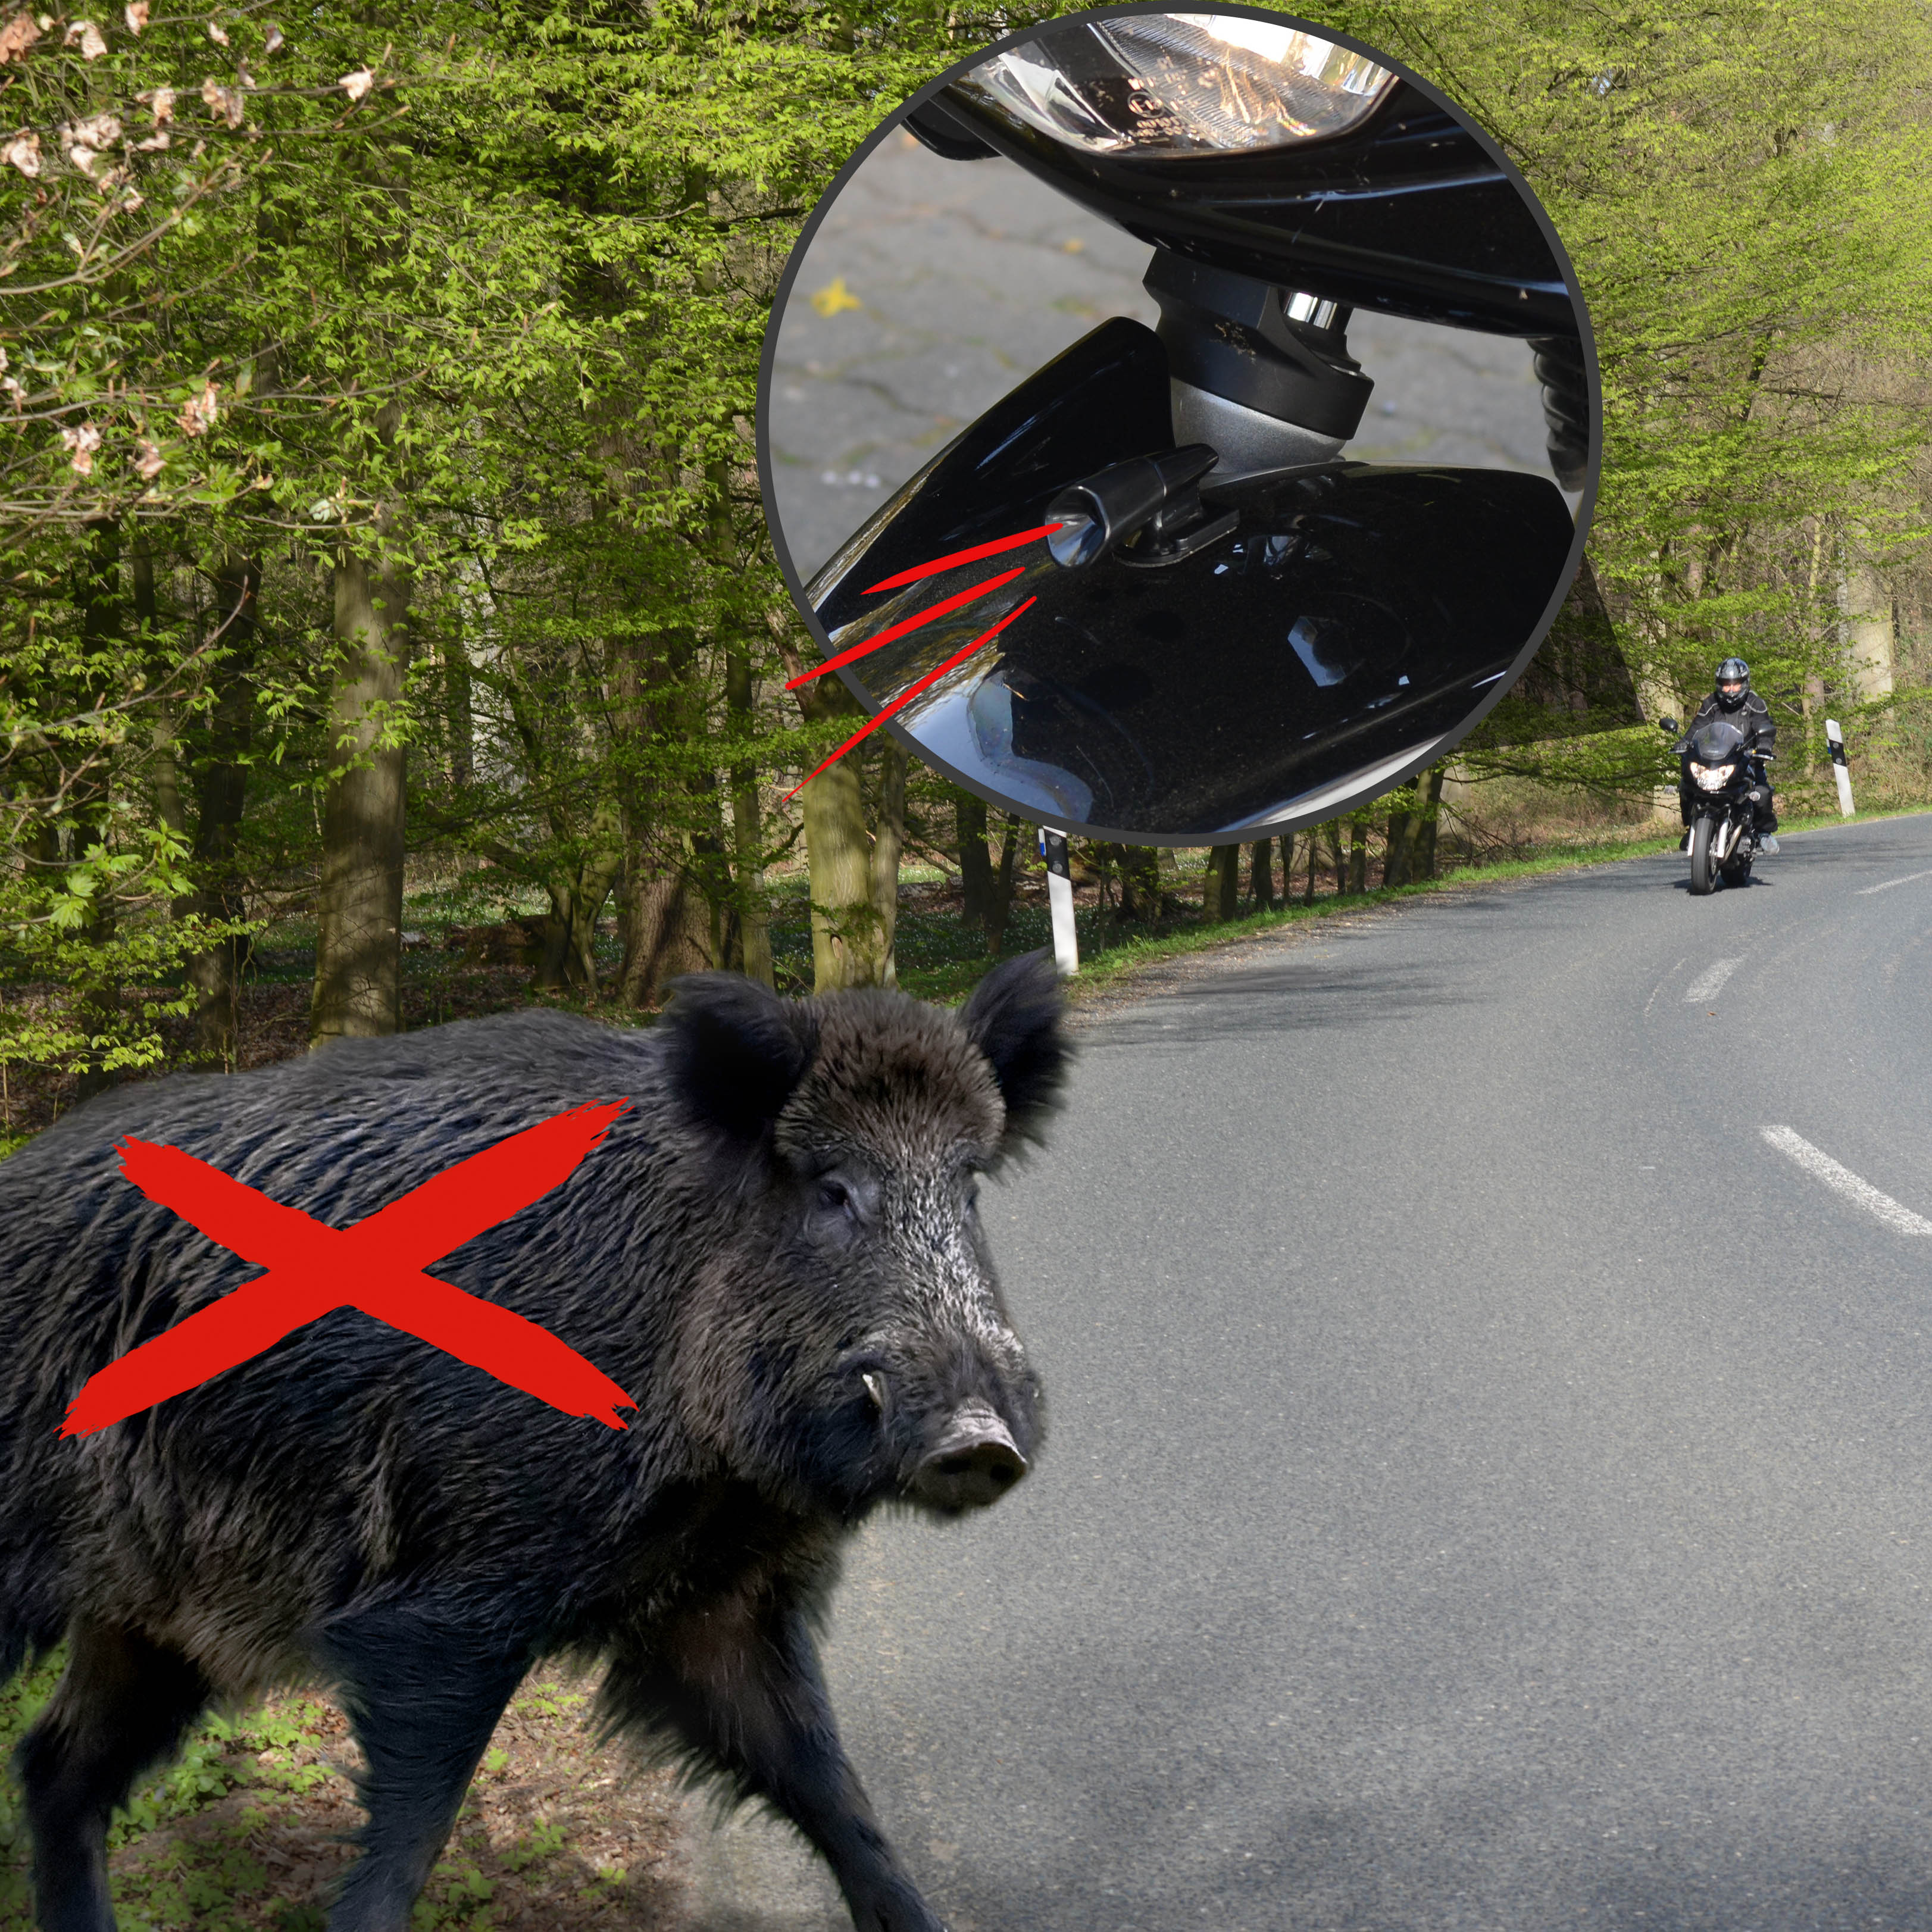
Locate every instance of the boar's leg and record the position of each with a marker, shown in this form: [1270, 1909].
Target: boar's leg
[422, 1698]
[122, 1704]
[738, 1681]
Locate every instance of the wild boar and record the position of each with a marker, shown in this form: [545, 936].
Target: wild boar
[775, 1253]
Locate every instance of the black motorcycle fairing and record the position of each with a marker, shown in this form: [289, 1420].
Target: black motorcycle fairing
[1408, 214]
[1716, 743]
[1102, 401]
[1358, 615]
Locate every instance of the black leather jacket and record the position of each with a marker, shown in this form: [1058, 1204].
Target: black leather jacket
[1752, 718]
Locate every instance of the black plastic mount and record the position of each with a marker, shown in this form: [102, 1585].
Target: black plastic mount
[1147, 512]
[1231, 335]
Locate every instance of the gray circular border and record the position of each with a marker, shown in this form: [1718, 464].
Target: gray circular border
[1586, 509]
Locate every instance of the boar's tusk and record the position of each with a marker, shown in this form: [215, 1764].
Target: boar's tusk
[876, 1389]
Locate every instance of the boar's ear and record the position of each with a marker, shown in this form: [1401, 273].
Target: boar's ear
[1014, 1018]
[736, 1051]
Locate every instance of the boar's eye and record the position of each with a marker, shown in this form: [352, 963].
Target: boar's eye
[835, 1197]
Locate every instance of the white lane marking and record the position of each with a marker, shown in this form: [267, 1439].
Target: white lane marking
[1842, 1181]
[1706, 985]
[1887, 884]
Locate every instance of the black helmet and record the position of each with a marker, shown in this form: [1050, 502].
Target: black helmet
[1733, 670]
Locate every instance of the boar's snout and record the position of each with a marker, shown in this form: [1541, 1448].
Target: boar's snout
[975, 1462]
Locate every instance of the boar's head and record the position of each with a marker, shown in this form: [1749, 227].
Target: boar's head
[846, 1343]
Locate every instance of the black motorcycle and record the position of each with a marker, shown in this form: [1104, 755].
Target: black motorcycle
[1727, 786]
[1232, 627]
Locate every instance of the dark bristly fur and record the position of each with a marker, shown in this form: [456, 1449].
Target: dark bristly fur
[774, 1250]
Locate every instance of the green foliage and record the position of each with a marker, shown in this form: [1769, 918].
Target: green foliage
[1745, 189]
[483, 304]
[182, 1885]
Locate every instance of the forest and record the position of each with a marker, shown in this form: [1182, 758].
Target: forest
[388, 626]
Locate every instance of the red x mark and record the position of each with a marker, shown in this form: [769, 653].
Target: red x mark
[376, 1266]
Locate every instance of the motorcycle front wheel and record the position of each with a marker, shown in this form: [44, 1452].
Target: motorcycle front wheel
[1703, 876]
[1737, 871]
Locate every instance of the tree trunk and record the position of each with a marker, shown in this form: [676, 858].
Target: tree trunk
[1139, 869]
[220, 778]
[460, 711]
[1261, 875]
[1287, 869]
[975, 864]
[1221, 885]
[1332, 833]
[1398, 852]
[888, 844]
[1002, 888]
[664, 920]
[1314, 858]
[359, 909]
[167, 764]
[845, 938]
[748, 832]
[89, 801]
[667, 930]
[1429, 810]
[1358, 853]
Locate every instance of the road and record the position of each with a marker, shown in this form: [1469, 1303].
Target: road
[1489, 1481]
[931, 288]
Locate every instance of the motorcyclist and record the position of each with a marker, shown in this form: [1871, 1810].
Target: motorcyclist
[1732, 700]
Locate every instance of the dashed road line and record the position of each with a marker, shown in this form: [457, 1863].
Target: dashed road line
[1901, 1220]
[1886, 885]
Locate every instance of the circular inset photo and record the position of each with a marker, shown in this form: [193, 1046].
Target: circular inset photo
[1179, 427]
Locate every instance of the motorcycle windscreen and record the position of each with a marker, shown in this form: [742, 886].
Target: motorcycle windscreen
[1355, 619]
[1716, 743]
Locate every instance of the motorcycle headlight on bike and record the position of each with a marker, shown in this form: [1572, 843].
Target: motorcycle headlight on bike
[1171, 84]
[1712, 778]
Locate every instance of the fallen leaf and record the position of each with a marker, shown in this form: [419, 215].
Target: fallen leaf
[24, 152]
[217, 33]
[153, 142]
[99, 130]
[82, 442]
[834, 297]
[16, 37]
[356, 85]
[136, 14]
[148, 464]
[15, 393]
[92, 46]
[272, 41]
[162, 100]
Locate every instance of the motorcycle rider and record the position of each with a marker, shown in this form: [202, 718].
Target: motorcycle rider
[1732, 700]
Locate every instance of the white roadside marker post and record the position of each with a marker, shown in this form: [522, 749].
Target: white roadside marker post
[1835, 738]
[1060, 901]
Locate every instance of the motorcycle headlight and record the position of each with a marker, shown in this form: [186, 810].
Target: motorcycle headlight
[1712, 778]
[1164, 84]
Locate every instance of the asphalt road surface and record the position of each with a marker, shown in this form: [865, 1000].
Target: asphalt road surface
[1490, 1482]
[931, 288]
